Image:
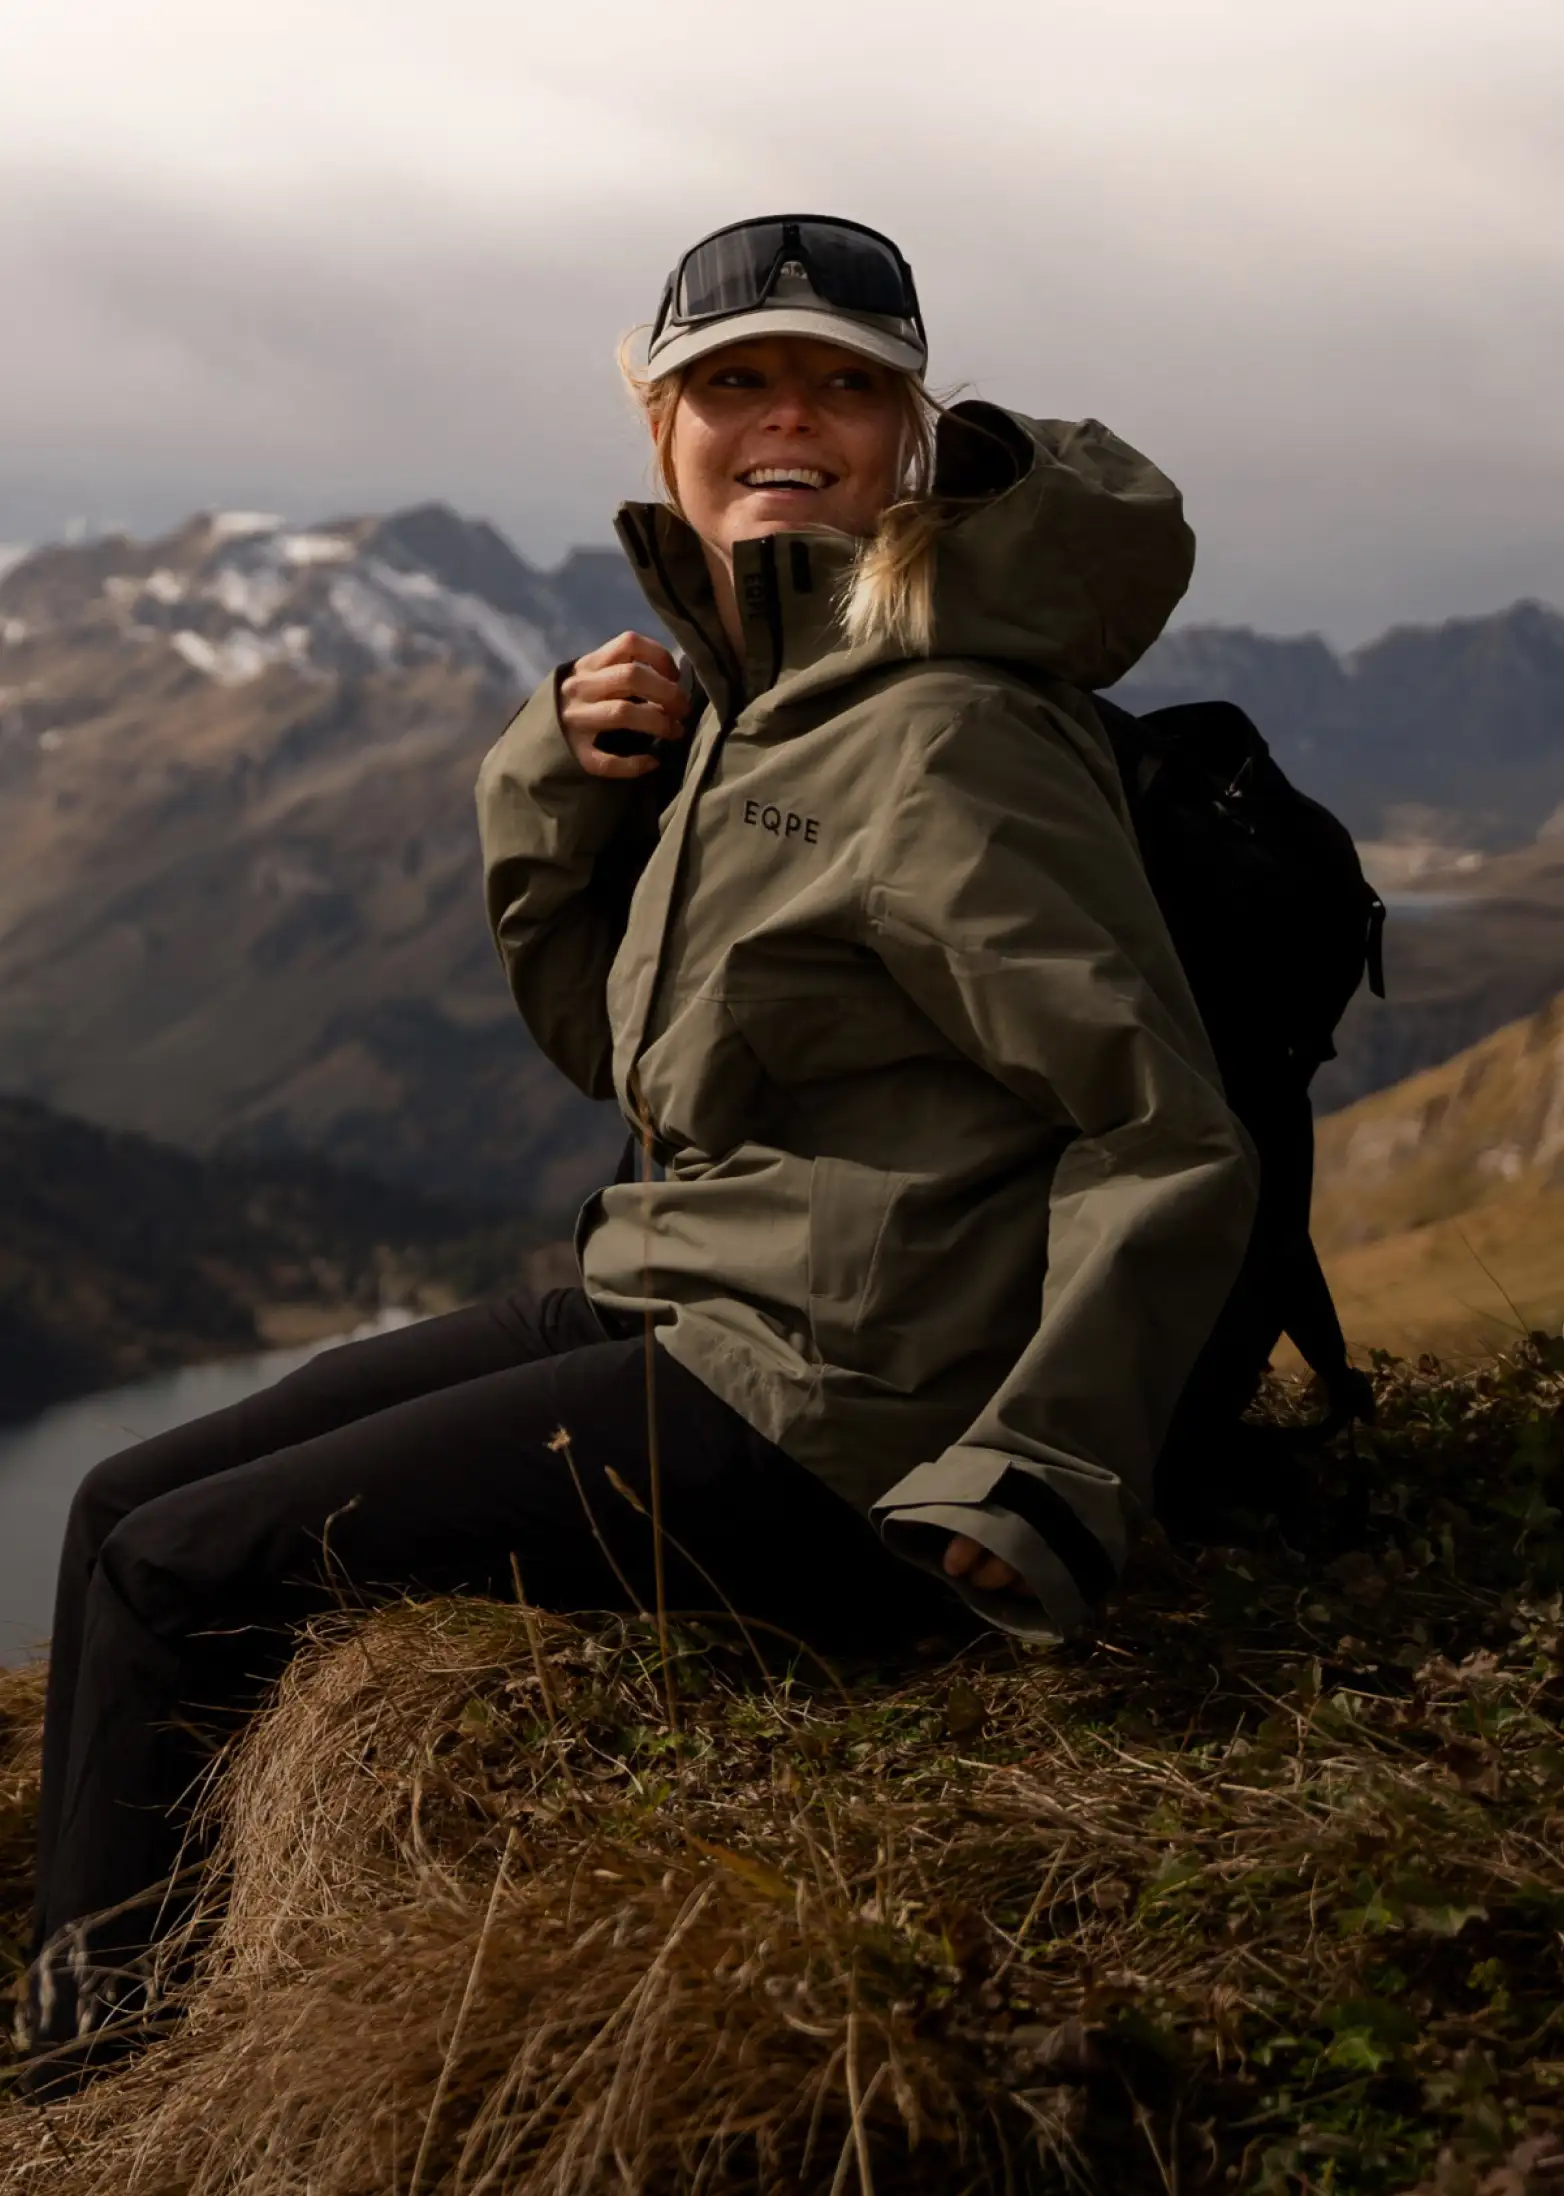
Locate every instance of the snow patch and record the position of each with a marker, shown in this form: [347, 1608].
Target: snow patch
[254, 596]
[13, 631]
[510, 641]
[316, 549]
[417, 586]
[162, 585]
[363, 612]
[235, 525]
[12, 553]
[241, 656]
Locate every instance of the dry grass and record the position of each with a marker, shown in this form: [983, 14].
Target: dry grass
[1462, 1287]
[1264, 1888]
[21, 1728]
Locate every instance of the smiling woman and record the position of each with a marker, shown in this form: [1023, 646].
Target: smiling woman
[783, 390]
[819, 323]
[845, 912]
[781, 432]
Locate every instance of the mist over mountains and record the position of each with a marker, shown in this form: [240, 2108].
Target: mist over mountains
[240, 907]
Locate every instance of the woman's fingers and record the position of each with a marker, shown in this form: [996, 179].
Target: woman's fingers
[969, 1559]
[630, 648]
[629, 681]
[631, 684]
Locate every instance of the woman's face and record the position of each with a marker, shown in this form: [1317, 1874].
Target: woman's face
[785, 432]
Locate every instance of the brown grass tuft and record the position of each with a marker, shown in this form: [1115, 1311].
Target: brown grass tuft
[21, 1729]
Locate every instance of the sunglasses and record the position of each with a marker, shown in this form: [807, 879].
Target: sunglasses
[736, 269]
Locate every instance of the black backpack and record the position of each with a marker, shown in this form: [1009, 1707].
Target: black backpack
[1276, 927]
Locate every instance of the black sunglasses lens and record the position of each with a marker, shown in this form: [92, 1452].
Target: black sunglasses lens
[728, 273]
[848, 267]
[855, 271]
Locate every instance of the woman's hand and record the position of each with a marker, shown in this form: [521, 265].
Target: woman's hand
[970, 1560]
[629, 685]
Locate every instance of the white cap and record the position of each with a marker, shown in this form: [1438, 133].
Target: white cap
[794, 308]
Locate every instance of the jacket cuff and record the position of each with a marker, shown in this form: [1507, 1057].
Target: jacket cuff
[1013, 1512]
[1051, 1612]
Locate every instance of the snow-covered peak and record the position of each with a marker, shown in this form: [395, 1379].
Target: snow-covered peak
[234, 525]
[315, 549]
[236, 594]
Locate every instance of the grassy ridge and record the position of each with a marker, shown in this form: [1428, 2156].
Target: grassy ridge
[1263, 1888]
[1438, 1209]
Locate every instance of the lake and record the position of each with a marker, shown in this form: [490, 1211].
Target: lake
[44, 1460]
[1414, 903]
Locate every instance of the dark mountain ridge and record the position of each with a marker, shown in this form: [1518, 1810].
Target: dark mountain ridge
[121, 1257]
[1463, 719]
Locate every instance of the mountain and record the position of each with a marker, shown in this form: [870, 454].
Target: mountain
[1439, 1204]
[1452, 731]
[1478, 944]
[240, 901]
[120, 1256]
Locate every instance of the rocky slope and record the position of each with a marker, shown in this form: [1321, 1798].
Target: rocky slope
[119, 1256]
[240, 896]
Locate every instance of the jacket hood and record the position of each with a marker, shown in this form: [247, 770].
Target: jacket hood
[1073, 555]
[1066, 552]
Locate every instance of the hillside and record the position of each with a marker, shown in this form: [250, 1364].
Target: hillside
[240, 902]
[120, 1257]
[1484, 947]
[1454, 731]
[1439, 1204]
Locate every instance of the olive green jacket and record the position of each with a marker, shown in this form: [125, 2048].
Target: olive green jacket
[952, 1194]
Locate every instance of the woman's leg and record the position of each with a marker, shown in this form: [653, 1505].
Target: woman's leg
[354, 1380]
[191, 1602]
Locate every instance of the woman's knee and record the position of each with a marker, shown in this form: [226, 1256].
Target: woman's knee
[108, 1494]
[143, 1563]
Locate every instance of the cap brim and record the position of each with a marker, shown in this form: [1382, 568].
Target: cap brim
[882, 342]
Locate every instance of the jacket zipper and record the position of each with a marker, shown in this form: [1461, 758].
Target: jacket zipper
[726, 720]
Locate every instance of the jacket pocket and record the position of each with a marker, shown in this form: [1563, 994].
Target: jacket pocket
[849, 1210]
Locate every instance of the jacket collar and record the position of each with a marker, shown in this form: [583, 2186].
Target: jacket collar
[788, 588]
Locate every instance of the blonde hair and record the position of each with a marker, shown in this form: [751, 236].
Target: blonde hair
[889, 594]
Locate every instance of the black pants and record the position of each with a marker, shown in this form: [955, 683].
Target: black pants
[419, 1460]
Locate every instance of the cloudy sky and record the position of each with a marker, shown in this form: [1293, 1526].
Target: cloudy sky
[323, 255]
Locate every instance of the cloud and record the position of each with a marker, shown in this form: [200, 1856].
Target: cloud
[319, 257]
